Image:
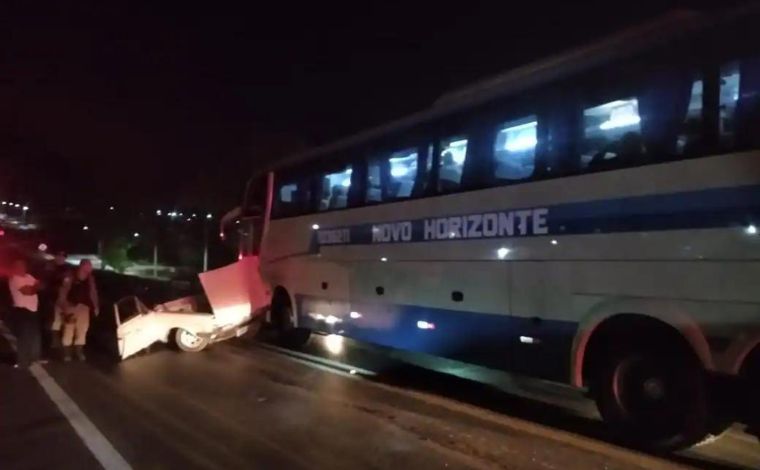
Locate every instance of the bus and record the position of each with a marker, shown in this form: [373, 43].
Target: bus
[590, 219]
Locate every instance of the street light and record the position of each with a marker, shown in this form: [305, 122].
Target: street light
[158, 212]
[136, 235]
[85, 228]
[25, 209]
[209, 216]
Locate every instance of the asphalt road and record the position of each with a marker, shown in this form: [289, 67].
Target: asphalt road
[246, 404]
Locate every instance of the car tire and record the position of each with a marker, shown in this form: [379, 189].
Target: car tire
[652, 396]
[188, 342]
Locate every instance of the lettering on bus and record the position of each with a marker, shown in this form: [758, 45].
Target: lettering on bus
[394, 232]
[334, 237]
[488, 225]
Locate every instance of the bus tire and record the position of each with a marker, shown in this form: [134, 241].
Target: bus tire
[288, 335]
[189, 342]
[653, 396]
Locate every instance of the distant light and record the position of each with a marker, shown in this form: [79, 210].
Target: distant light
[383, 259]
[452, 234]
[751, 229]
[85, 228]
[158, 212]
[25, 208]
[334, 344]
[528, 340]
[425, 325]
[42, 247]
[209, 216]
[181, 214]
[352, 372]
[188, 219]
[554, 242]
[111, 208]
[5, 203]
[240, 256]
[17, 206]
[195, 215]
[136, 235]
[355, 315]
[502, 252]
[315, 227]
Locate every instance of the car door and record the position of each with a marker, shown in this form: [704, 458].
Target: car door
[133, 326]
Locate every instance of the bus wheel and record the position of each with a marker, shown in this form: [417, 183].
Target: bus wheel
[654, 397]
[189, 342]
[288, 335]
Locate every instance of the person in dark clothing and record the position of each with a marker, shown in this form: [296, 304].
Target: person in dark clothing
[77, 299]
[25, 321]
[52, 320]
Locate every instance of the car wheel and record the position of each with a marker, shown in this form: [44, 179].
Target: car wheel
[654, 397]
[188, 341]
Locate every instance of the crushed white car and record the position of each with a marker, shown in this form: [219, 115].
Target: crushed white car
[236, 297]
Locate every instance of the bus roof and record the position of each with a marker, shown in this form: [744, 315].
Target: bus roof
[620, 45]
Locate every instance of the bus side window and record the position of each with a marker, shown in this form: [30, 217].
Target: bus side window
[334, 191]
[662, 120]
[451, 163]
[740, 103]
[515, 149]
[402, 173]
[292, 197]
[285, 203]
[611, 134]
[670, 106]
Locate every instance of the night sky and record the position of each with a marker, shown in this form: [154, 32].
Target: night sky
[152, 106]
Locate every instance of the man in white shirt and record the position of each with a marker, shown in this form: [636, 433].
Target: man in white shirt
[24, 318]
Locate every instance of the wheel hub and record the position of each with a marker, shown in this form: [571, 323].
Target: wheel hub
[189, 339]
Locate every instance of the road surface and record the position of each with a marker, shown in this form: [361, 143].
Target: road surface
[247, 404]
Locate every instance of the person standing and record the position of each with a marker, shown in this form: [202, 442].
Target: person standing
[77, 299]
[24, 317]
[53, 320]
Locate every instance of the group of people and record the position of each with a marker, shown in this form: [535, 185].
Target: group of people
[53, 311]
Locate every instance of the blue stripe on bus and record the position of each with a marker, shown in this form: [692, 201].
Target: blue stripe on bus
[709, 208]
[489, 340]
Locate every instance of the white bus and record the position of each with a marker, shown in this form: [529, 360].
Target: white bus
[590, 219]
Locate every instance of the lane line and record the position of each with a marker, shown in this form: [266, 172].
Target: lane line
[95, 441]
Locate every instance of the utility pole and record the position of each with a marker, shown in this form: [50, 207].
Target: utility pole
[205, 242]
[155, 258]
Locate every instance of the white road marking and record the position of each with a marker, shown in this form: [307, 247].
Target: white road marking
[95, 441]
